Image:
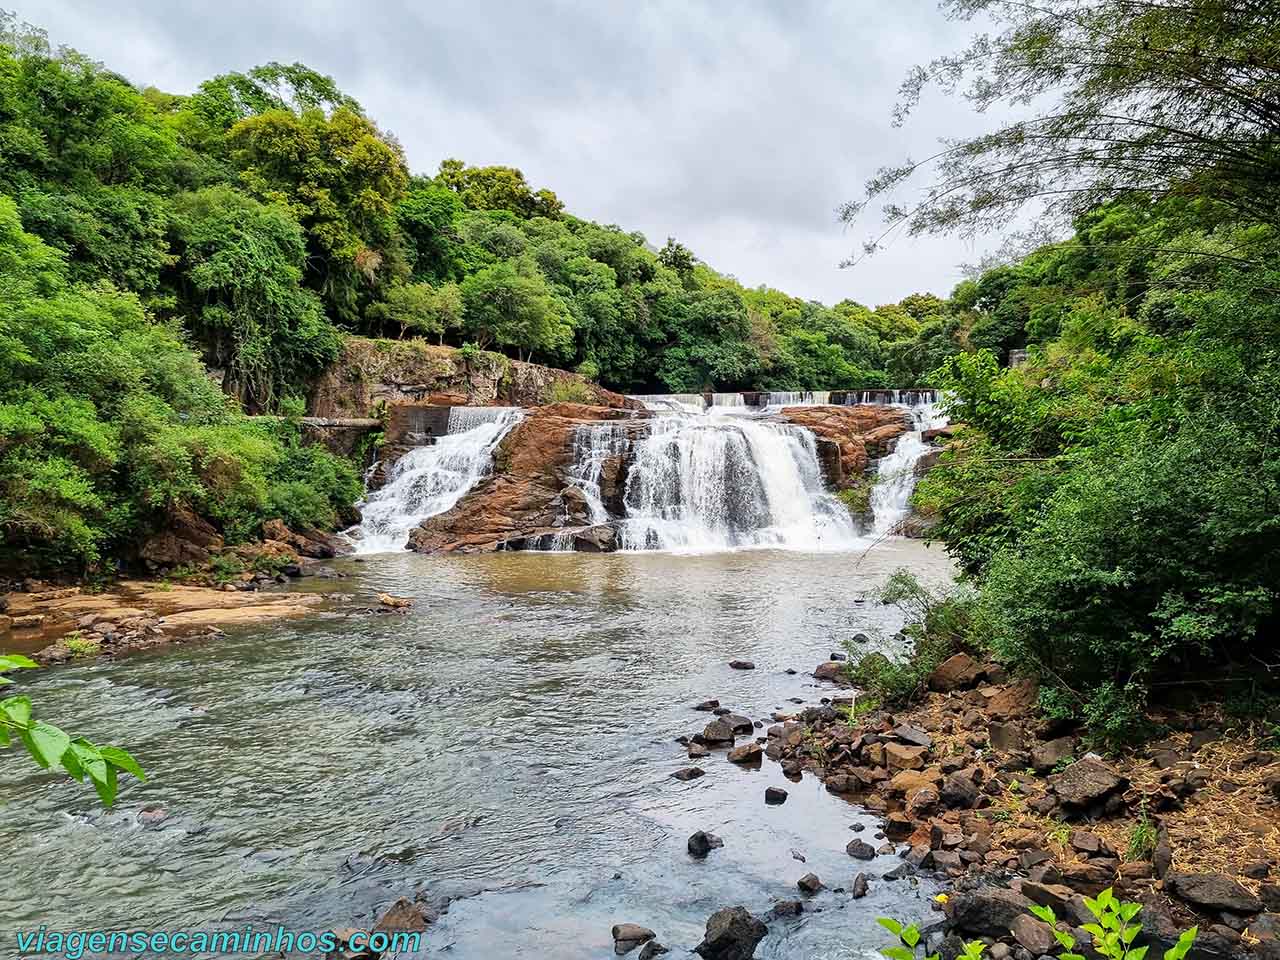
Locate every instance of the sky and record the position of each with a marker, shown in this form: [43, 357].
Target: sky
[738, 128]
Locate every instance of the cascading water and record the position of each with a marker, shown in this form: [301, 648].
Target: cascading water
[896, 475]
[429, 480]
[806, 398]
[672, 402]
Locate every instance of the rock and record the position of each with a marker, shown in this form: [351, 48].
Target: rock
[732, 934]
[738, 723]
[653, 949]
[860, 887]
[395, 603]
[1270, 895]
[1086, 782]
[902, 757]
[707, 705]
[838, 656]
[1090, 877]
[900, 872]
[959, 790]
[746, 753]
[1162, 858]
[403, 916]
[1255, 869]
[185, 539]
[718, 731]
[1213, 890]
[1046, 756]
[774, 795]
[28, 621]
[957, 672]
[913, 736]
[1015, 701]
[1056, 896]
[697, 751]
[689, 773]
[860, 850]
[788, 908]
[987, 911]
[809, 883]
[151, 815]
[628, 936]
[831, 670]
[701, 843]
[1006, 737]
[741, 665]
[1034, 934]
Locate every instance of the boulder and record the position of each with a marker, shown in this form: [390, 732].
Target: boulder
[1006, 737]
[718, 731]
[900, 756]
[1036, 935]
[1086, 782]
[774, 795]
[860, 850]
[957, 672]
[1215, 891]
[912, 736]
[960, 790]
[404, 916]
[628, 936]
[653, 949]
[689, 773]
[1015, 701]
[1046, 756]
[833, 671]
[741, 665]
[859, 432]
[701, 843]
[732, 934]
[987, 911]
[860, 887]
[750, 752]
[809, 883]
[706, 706]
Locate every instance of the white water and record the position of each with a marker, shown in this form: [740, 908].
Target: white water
[429, 480]
[806, 398]
[672, 402]
[896, 476]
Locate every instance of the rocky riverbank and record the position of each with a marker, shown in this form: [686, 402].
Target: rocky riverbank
[1015, 811]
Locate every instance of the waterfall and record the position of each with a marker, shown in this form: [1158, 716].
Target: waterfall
[894, 398]
[807, 398]
[725, 402]
[430, 479]
[672, 402]
[896, 475]
[712, 483]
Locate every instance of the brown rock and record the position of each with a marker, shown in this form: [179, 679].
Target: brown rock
[1086, 782]
[1015, 701]
[1006, 737]
[1035, 935]
[899, 756]
[1214, 890]
[1046, 756]
[858, 431]
[718, 731]
[750, 752]
[957, 672]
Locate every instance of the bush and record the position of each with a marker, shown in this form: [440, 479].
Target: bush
[570, 391]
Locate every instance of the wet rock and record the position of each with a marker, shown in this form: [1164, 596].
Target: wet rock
[404, 916]
[732, 934]
[860, 887]
[741, 665]
[697, 751]
[718, 731]
[1033, 934]
[653, 949]
[1213, 890]
[689, 773]
[860, 850]
[746, 753]
[809, 883]
[987, 911]
[706, 706]
[955, 673]
[738, 723]
[151, 815]
[628, 936]
[1086, 782]
[832, 670]
[788, 908]
[838, 656]
[1046, 756]
[702, 843]
[900, 872]
[774, 795]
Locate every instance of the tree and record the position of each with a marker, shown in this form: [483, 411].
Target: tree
[1132, 98]
[420, 307]
[238, 274]
[510, 303]
[427, 217]
[497, 188]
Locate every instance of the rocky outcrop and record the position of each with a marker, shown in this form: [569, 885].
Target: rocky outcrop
[860, 433]
[373, 372]
[528, 495]
[185, 539]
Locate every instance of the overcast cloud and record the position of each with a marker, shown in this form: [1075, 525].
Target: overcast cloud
[737, 127]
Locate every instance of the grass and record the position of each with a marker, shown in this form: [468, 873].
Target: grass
[80, 645]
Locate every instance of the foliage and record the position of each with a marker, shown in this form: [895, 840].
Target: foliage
[51, 747]
[1114, 930]
[910, 938]
[1142, 839]
[570, 391]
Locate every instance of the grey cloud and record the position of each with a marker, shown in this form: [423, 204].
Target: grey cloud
[737, 128]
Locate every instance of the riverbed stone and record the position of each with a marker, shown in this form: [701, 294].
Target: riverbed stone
[774, 796]
[860, 850]
[628, 936]
[717, 731]
[702, 843]
[732, 934]
[697, 751]
[987, 911]
[809, 883]
[1033, 934]
[746, 753]
[706, 706]
[899, 756]
[653, 949]
[689, 773]
[741, 665]
[860, 886]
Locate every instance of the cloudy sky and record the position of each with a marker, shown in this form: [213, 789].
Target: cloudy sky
[738, 128]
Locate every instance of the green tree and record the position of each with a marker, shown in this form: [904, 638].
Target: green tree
[420, 308]
[510, 304]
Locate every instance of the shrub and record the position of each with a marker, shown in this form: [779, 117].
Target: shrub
[570, 391]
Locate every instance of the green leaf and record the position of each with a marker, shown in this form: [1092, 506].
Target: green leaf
[911, 936]
[1130, 932]
[973, 949]
[898, 953]
[1094, 929]
[4, 734]
[1129, 910]
[104, 781]
[1138, 953]
[122, 759]
[15, 661]
[893, 926]
[4, 680]
[46, 743]
[1044, 913]
[17, 709]
[1065, 939]
[1071, 956]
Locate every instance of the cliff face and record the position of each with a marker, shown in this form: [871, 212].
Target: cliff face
[861, 433]
[412, 371]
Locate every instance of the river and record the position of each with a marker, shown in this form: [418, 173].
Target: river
[508, 742]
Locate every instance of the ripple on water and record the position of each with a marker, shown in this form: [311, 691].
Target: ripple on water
[510, 741]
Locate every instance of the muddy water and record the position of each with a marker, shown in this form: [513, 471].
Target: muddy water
[509, 743]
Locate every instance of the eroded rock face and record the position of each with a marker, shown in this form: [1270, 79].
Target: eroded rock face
[860, 432]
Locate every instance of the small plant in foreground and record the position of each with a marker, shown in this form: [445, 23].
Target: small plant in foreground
[80, 645]
[1142, 839]
[1114, 932]
[909, 938]
[52, 747]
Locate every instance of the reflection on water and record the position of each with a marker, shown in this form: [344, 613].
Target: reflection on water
[508, 741]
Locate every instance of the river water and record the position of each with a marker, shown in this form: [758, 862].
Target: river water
[508, 742]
